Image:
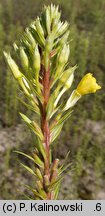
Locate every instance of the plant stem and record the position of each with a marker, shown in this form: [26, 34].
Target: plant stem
[45, 124]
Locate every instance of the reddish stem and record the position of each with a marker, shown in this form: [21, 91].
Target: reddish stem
[44, 122]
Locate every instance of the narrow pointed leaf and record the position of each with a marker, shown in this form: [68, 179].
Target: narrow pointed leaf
[28, 169]
[25, 155]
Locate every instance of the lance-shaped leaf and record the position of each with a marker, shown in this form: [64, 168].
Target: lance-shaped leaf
[32, 108]
[64, 116]
[38, 174]
[25, 155]
[65, 88]
[42, 196]
[64, 38]
[28, 169]
[40, 146]
[35, 158]
[33, 126]
[65, 160]
[27, 197]
[56, 190]
[55, 132]
[50, 106]
[62, 28]
[37, 36]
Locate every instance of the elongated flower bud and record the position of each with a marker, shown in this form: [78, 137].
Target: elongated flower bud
[30, 38]
[48, 48]
[46, 180]
[13, 66]
[88, 85]
[15, 47]
[39, 28]
[48, 20]
[24, 58]
[38, 173]
[39, 185]
[36, 60]
[64, 55]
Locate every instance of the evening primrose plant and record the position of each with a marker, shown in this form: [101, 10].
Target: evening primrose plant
[45, 76]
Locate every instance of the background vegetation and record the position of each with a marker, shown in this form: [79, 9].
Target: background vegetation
[84, 133]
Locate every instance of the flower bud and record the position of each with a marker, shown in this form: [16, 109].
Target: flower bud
[13, 66]
[15, 47]
[64, 55]
[36, 60]
[64, 80]
[24, 58]
[88, 85]
[38, 173]
[30, 38]
[48, 48]
[46, 180]
[39, 28]
[48, 20]
[39, 185]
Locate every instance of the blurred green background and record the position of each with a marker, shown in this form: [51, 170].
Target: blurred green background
[84, 133]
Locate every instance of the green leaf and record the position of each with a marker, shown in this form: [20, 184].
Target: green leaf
[35, 192]
[64, 161]
[64, 168]
[65, 116]
[56, 131]
[27, 197]
[38, 161]
[28, 169]
[27, 156]
[40, 147]
[33, 126]
[32, 108]
[56, 190]
[50, 106]
[25, 118]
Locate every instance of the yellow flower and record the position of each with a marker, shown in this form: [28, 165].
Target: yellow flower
[88, 85]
